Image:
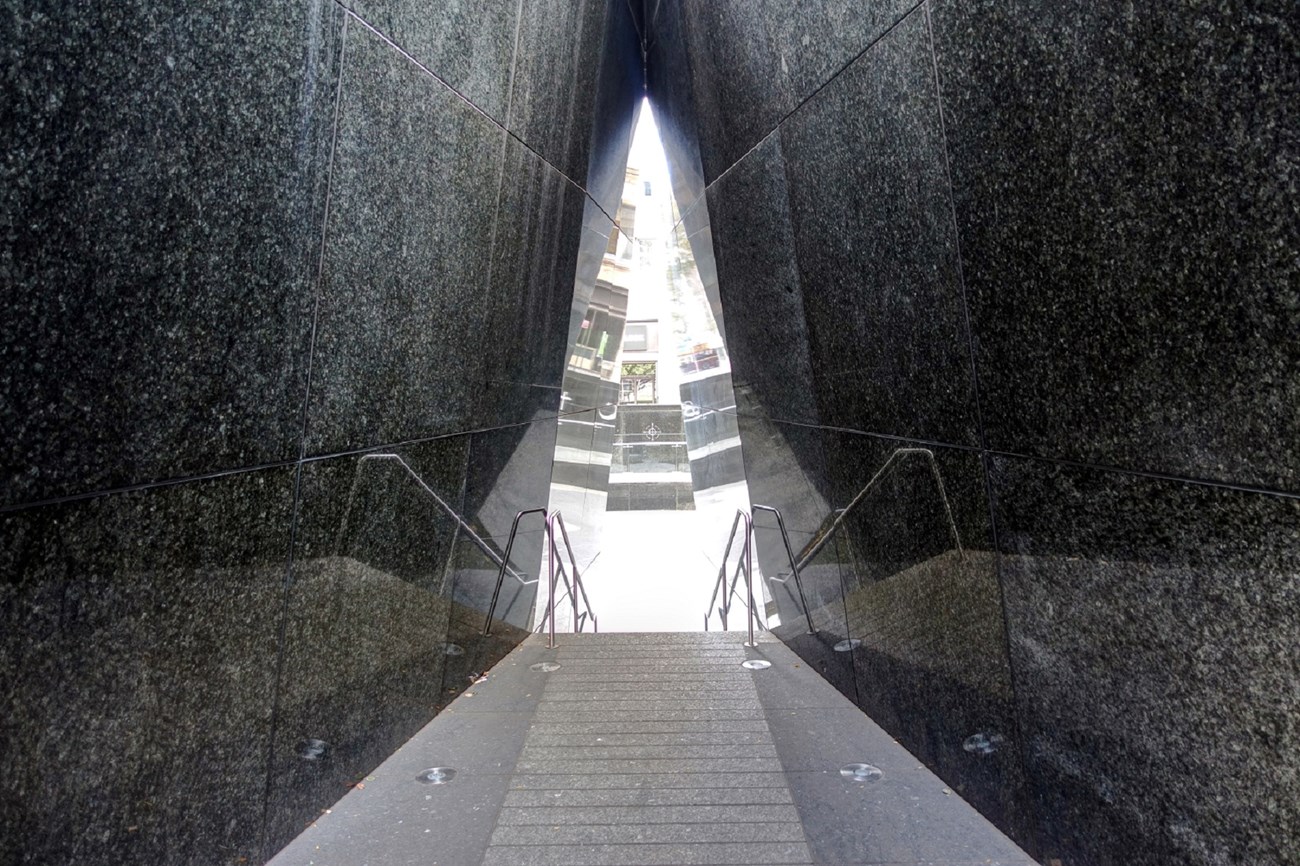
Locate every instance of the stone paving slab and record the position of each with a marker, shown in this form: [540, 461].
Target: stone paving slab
[548, 813]
[659, 726]
[731, 797]
[642, 834]
[605, 751]
[677, 854]
[662, 761]
[658, 738]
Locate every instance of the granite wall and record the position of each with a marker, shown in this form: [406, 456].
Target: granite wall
[1015, 283]
[287, 291]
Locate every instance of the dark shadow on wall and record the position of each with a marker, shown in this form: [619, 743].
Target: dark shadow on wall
[243, 276]
[1041, 242]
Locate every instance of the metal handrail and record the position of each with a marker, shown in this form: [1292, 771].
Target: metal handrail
[815, 546]
[721, 582]
[794, 567]
[501, 575]
[747, 560]
[575, 590]
[469, 530]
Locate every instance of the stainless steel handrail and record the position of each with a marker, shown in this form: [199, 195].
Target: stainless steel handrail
[573, 589]
[577, 587]
[501, 575]
[721, 582]
[815, 546]
[747, 559]
[794, 566]
[469, 530]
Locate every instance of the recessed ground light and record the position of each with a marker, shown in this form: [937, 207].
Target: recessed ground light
[452, 649]
[861, 772]
[545, 667]
[313, 750]
[848, 645]
[756, 664]
[982, 744]
[436, 776]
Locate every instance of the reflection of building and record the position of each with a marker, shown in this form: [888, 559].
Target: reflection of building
[591, 387]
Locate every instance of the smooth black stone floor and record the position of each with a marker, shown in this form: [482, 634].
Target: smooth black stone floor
[651, 749]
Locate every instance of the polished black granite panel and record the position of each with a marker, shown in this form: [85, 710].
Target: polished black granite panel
[758, 281]
[161, 209]
[785, 469]
[670, 90]
[367, 623]
[403, 305]
[509, 471]
[534, 258]
[1154, 627]
[557, 76]
[754, 63]
[1124, 183]
[876, 250]
[138, 638]
[736, 92]
[619, 91]
[924, 609]
[471, 46]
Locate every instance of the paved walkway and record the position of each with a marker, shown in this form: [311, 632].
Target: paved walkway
[651, 750]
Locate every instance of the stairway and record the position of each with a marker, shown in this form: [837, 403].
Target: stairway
[650, 750]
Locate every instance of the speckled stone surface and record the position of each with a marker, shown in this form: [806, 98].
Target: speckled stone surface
[471, 46]
[618, 94]
[367, 622]
[160, 209]
[1125, 186]
[753, 63]
[876, 249]
[557, 73]
[1154, 628]
[403, 302]
[759, 285]
[138, 638]
[535, 249]
[671, 94]
[922, 597]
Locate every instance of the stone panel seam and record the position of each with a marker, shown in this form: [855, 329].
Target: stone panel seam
[278, 464]
[489, 118]
[1059, 461]
[287, 589]
[827, 83]
[986, 463]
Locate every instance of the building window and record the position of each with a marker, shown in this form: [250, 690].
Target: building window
[641, 337]
[637, 383]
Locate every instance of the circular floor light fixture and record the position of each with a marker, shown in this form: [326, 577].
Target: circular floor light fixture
[436, 776]
[861, 772]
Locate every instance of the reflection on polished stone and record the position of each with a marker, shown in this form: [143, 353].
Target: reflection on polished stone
[163, 211]
[1153, 631]
[1124, 188]
[885, 314]
[365, 642]
[138, 640]
[406, 256]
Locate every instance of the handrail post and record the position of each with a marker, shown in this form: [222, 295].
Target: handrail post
[722, 576]
[794, 565]
[505, 560]
[577, 580]
[550, 559]
[748, 552]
